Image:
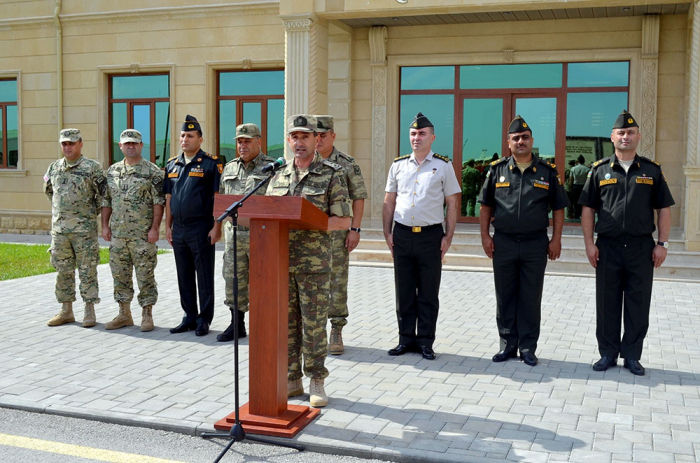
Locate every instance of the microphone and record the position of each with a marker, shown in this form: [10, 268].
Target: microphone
[273, 166]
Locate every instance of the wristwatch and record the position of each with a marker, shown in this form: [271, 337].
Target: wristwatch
[358, 229]
[662, 243]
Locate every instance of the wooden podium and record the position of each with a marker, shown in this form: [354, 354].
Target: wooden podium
[270, 218]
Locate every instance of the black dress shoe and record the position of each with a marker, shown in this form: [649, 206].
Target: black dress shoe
[202, 329]
[504, 355]
[634, 367]
[529, 358]
[184, 326]
[399, 350]
[427, 353]
[227, 335]
[604, 363]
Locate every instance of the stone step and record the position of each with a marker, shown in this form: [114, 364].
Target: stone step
[466, 254]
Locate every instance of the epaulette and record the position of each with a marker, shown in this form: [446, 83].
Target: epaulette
[332, 164]
[548, 164]
[441, 157]
[498, 161]
[213, 156]
[651, 161]
[174, 157]
[599, 162]
[401, 158]
[347, 157]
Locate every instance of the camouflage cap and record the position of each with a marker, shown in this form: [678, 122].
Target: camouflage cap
[302, 123]
[325, 123]
[247, 131]
[71, 135]
[130, 135]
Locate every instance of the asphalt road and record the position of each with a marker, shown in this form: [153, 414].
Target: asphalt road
[32, 437]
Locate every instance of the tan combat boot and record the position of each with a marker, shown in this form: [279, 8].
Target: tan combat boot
[64, 316]
[147, 318]
[89, 319]
[335, 345]
[295, 388]
[318, 397]
[123, 319]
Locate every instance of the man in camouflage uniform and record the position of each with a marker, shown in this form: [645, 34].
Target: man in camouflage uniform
[238, 178]
[323, 184]
[74, 185]
[471, 184]
[344, 241]
[132, 210]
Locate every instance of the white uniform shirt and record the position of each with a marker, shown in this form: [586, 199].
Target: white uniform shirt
[421, 189]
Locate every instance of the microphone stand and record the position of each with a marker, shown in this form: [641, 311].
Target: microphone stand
[237, 433]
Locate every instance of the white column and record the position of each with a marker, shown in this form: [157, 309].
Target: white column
[377, 48]
[650, 78]
[299, 46]
[691, 169]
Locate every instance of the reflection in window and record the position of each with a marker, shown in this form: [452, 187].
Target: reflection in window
[542, 118]
[428, 78]
[599, 74]
[433, 107]
[511, 76]
[9, 146]
[143, 103]
[255, 97]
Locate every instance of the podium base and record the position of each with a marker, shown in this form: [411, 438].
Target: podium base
[288, 424]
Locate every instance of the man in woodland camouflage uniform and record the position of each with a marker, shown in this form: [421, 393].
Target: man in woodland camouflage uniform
[132, 210]
[344, 241]
[74, 185]
[323, 184]
[238, 178]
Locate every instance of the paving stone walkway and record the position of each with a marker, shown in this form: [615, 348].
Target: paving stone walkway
[459, 408]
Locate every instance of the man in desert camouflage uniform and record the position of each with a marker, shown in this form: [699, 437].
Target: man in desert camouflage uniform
[74, 185]
[132, 210]
[344, 241]
[238, 178]
[323, 184]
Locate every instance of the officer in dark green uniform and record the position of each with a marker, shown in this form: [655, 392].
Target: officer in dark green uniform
[624, 190]
[191, 180]
[518, 193]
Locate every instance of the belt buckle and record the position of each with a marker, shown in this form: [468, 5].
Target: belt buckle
[416, 229]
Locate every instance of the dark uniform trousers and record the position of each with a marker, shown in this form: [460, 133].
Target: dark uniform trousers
[519, 263]
[417, 272]
[193, 252]
[624, 278]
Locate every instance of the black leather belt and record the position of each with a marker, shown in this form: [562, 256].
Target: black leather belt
[417, 229]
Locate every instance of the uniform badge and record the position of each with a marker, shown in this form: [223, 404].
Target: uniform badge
[199, 160]
[607, 176]
[502, 179]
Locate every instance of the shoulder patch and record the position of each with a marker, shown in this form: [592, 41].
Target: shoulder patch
[441, 157]
[401, 158]
[331, 164]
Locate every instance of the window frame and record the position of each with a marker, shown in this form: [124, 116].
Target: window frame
[4, 146]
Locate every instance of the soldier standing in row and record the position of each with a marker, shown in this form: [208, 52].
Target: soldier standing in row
[132, 210]
[191, 181]
[344, 241]
[471, 184]
[240, 176]
[323, 184]
[75, 186]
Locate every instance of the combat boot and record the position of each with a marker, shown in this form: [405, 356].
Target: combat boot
[64, 316]
[123, 319]
[147, 318]
[241, 325]
[335, 345]
[295, 388]
[89, 319]
[318, 397]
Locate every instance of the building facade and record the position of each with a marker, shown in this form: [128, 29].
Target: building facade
[568, 68]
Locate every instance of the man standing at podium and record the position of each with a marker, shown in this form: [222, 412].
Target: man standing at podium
[239, 177]
[322, 183]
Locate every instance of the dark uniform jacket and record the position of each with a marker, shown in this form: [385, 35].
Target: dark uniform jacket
[192, 187]
[521, 201]
[625, 201]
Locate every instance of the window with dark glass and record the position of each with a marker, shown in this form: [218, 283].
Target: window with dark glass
[250, 97]
[141, 102]
[569, 106]
[9, 146]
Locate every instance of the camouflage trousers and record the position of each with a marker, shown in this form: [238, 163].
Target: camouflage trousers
[308, 315]
[340, 267]
[69, 250]
[243, 263]
[127, 255]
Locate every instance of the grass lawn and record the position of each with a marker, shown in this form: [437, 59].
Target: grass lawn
[23, 260]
